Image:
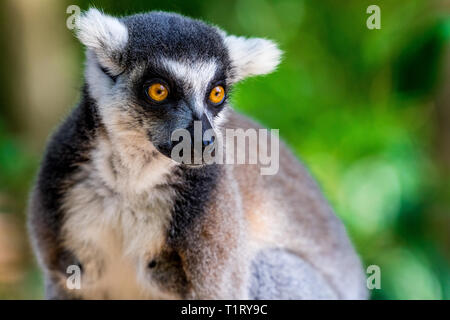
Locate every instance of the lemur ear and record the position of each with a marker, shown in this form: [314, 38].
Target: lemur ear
[252, 56]
[104, 35]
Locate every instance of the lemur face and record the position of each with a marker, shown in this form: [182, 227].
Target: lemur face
[151, 74]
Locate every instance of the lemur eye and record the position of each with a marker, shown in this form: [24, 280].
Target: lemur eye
[157, 91]
[217, 95]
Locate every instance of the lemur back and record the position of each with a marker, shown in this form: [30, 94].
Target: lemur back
[111, 200]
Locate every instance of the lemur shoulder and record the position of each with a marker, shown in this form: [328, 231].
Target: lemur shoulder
[110, 199]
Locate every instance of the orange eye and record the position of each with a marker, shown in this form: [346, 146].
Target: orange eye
[157, 92]
[217, 95]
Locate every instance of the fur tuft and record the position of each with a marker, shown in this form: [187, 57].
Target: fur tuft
[106, 36]
[252, 56]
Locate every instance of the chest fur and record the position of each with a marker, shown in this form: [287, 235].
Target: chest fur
[116, 223]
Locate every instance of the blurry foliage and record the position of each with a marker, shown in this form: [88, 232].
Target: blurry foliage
[17, 167]
[355, 104]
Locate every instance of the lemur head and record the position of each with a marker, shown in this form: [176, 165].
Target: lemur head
[153, 73]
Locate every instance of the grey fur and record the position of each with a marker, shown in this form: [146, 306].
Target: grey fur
[279, 274]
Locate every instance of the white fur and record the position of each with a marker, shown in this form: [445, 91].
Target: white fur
[116, 222]
[98, 82]
[252, 56]
[104, 35]
[221, 118]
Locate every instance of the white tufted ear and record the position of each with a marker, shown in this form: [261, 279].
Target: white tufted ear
[104, 35]
[252, 56]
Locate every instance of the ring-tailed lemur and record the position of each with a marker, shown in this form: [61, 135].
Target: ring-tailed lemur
[110, 199]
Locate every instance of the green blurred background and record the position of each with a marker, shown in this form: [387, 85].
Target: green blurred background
[368, 111]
